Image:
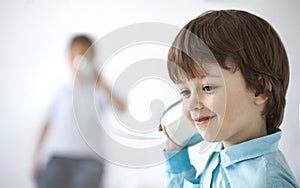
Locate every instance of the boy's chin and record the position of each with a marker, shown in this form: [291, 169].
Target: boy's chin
[210, 137]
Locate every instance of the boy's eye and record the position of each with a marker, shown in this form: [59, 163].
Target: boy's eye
[208, 88]
[185, 93]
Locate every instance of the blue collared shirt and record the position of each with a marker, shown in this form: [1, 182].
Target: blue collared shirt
[255, 163]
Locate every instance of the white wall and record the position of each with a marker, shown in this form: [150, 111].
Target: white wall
[33, 38]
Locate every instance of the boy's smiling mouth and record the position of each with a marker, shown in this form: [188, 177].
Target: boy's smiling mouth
[203, 120]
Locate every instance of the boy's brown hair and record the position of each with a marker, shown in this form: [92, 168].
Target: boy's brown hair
[82, 40]
[249, 41]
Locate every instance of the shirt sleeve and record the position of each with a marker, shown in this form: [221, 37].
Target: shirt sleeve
[178, 168]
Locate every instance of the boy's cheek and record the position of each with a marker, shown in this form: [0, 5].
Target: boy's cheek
[187, 115]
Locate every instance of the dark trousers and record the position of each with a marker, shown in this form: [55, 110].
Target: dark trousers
[64, 172]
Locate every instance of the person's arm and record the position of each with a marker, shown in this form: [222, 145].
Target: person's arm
[178, 168]
[115, 99]
[178, 165]
[37, 151]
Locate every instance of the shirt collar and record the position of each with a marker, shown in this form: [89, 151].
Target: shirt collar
[249, 149]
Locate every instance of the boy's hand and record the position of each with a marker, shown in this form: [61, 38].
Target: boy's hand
[35, 169]
[170, 146]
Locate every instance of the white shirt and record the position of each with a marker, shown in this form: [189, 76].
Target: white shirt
[73, 107]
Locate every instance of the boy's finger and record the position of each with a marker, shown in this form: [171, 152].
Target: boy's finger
[160, 128]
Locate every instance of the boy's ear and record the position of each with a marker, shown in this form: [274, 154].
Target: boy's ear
[261, 98]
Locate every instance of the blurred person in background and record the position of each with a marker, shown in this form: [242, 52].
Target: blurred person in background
[71, 162]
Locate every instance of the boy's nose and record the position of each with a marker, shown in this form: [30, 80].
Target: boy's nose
[195, 103]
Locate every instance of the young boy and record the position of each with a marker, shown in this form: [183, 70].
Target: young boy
[72, 163]
[232, 70]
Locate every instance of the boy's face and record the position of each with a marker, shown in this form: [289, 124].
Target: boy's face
[81, 61]
[76, 51]
[220, 106]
